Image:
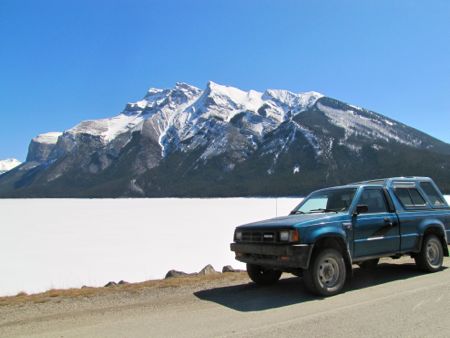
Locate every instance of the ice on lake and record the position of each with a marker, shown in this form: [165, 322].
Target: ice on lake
[63, 243]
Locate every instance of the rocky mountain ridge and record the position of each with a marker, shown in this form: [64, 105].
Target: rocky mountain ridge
[223, 141]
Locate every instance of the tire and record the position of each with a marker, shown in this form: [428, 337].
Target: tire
[326, 274]
[261, 275]
[371, 264]
[431, 256]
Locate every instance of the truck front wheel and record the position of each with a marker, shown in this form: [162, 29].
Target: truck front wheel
[261, 275]
[431, 256]
[326, 274]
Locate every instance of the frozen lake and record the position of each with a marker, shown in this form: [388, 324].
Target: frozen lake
[63, 243]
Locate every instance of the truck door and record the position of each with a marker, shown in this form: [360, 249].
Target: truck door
[376, 231]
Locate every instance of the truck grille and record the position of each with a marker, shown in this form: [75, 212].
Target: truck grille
[259, 236]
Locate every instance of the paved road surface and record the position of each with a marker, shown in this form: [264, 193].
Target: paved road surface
[395, 300]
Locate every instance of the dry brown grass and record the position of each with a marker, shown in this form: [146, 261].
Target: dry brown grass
[193, 280]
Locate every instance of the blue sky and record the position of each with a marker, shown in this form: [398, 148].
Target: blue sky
[65, 61]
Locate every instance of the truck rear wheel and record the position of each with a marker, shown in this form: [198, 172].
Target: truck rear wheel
[326, 274]
[431, 256]
[261, 275]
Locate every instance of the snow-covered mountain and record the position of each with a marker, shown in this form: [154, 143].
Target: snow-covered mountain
[173, 116]
[222, 141]
[8, 164]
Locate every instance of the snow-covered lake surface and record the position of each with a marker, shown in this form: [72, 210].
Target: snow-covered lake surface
[63, 243]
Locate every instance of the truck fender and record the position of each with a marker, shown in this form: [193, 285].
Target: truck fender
[433, 226]
[338, 241]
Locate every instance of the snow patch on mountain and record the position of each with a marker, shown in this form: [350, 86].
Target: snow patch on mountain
[355, 123]
[107, 129]
[223, 102]
[279, 145]
[8, 164]
[168, 117]
[309, 135]
[289, 100]
[222, 95]
[47, 138]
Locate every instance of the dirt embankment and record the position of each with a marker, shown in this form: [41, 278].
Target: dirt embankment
[408, 302]
[180, 280]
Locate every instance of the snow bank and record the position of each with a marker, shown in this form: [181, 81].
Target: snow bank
[63, 243]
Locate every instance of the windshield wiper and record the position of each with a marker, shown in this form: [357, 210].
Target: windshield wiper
[295, 212]
[323, 210]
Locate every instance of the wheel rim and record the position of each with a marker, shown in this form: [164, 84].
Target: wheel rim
[433, 253]
[328, 272]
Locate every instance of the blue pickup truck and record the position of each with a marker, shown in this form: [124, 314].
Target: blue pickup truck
[334, 228]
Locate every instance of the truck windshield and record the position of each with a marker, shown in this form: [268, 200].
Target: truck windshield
[333, 200]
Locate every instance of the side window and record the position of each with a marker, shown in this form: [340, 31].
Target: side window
[410, 197]
[417, 198]
[435, 198]
[404, 196]
[374, 199]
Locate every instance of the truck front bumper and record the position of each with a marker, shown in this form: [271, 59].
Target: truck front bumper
[274, 256]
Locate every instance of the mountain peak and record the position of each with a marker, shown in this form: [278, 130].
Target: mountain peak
[41, 147]
[231, 91]
[153, 91]
[155, 94]
[312, 93]
[185, 86]
[290, 99]
[183, 92]
[225, 95]
[213, 87]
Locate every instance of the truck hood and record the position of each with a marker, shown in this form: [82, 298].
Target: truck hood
[293, 220]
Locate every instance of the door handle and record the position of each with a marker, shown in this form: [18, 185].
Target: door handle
[389, 222]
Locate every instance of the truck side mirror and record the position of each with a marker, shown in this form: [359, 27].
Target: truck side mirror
[361, 209]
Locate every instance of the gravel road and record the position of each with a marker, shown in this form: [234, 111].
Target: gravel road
[393, 300]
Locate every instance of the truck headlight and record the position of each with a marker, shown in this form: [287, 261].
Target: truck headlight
[238, 235]
[284, 236]
[289, 236]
